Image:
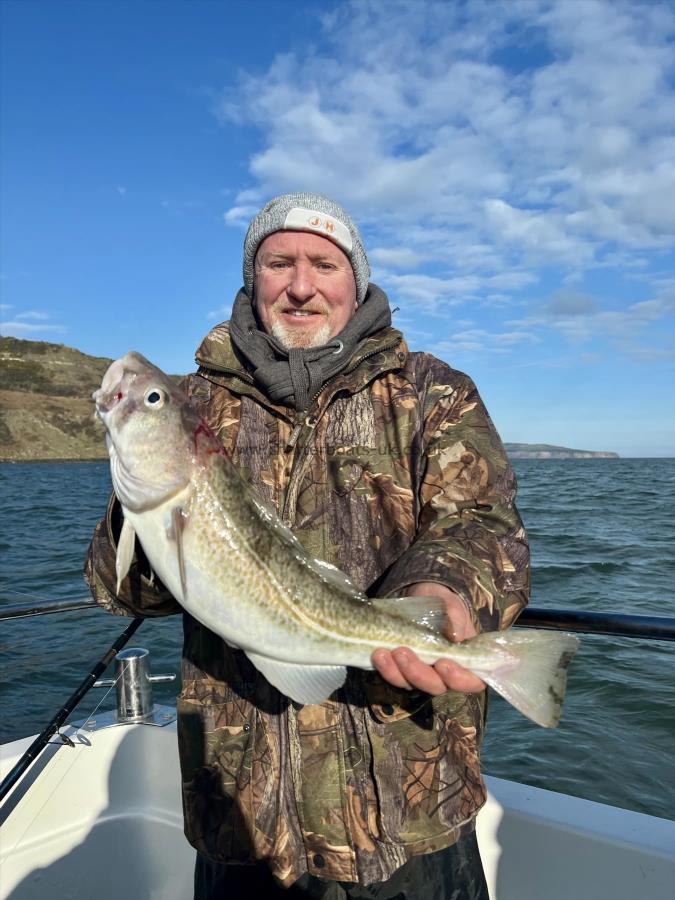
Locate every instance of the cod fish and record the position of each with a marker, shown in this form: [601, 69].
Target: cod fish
[234, 566]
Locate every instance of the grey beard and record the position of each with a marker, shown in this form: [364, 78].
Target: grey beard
[292, 341]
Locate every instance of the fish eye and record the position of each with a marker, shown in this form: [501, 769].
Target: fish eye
[155, 398]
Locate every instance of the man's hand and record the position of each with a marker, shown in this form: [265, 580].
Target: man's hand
[403, 668]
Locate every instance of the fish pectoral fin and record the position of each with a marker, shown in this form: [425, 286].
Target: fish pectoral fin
[430, 612]
[304, 684]
[125, 553]
[179, 519]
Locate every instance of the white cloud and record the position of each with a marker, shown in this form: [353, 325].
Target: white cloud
[221, 314]
[396, 257]
[416, 117]
[19, 328]
[479, 340]
[435, 295]
[31, 323]
[579, 318]
[431, 293]
[33, 314]
[484, 147]
[516, 337]
[512, 280]
[534, 233]
[650, 354]
[240, 216]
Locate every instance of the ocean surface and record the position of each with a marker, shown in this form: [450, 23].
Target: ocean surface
[602, 534]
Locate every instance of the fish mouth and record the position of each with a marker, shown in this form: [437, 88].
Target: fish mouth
[106, 402]
[116, 381]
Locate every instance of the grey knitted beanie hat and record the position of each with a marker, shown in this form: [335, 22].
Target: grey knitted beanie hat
[307, 212]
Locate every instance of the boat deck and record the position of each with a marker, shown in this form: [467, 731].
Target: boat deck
[103, 819]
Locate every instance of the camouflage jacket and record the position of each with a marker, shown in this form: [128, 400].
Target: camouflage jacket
[396, 475]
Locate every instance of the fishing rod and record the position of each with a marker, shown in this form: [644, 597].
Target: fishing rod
[42, 740]
[655, 628]
[42, 608]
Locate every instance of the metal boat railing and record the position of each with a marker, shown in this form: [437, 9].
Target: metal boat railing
[659, 628]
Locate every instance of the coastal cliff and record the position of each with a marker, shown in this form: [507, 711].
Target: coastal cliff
[549, 451]
[46, 412]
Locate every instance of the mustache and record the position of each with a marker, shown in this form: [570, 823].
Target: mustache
[285, 306]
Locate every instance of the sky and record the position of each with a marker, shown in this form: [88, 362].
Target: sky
[511, 167]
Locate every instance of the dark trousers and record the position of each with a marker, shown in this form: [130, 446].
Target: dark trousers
[455, 873]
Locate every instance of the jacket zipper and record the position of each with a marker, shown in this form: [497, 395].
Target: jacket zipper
[310, 422]
[347, 371]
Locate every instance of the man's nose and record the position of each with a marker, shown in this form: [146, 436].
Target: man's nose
[301, 285]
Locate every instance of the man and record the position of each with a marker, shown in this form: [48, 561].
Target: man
[386, 464]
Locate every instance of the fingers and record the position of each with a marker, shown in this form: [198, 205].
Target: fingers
[385, 664]
[457, 678]
[403, 669]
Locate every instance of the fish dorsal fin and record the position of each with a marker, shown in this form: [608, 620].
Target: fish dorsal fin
[125, 552]
[272, 520]
[335, 578]
[304, 684]
[327, 572]
[430, 612]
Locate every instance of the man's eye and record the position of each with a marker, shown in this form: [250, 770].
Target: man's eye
[278, 265]
[326, 267]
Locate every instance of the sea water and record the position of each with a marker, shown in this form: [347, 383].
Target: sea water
[602, 539]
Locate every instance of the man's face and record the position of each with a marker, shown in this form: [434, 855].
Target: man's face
[305, 291]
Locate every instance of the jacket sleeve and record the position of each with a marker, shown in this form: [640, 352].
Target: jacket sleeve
[469, 536]
[140, 594]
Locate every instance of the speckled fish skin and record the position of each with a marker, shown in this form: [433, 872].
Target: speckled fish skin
[233, 565]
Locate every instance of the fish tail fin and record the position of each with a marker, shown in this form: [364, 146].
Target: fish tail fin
[534, 672]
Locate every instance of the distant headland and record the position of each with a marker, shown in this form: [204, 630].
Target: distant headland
[549, 451]
[46, 413]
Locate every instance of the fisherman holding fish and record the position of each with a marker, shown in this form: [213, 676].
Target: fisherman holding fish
[329, 747]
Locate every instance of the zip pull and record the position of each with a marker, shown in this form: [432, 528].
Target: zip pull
[293, 439]
[309, 422]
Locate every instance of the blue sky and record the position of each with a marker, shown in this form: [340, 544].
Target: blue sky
[511, 166]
